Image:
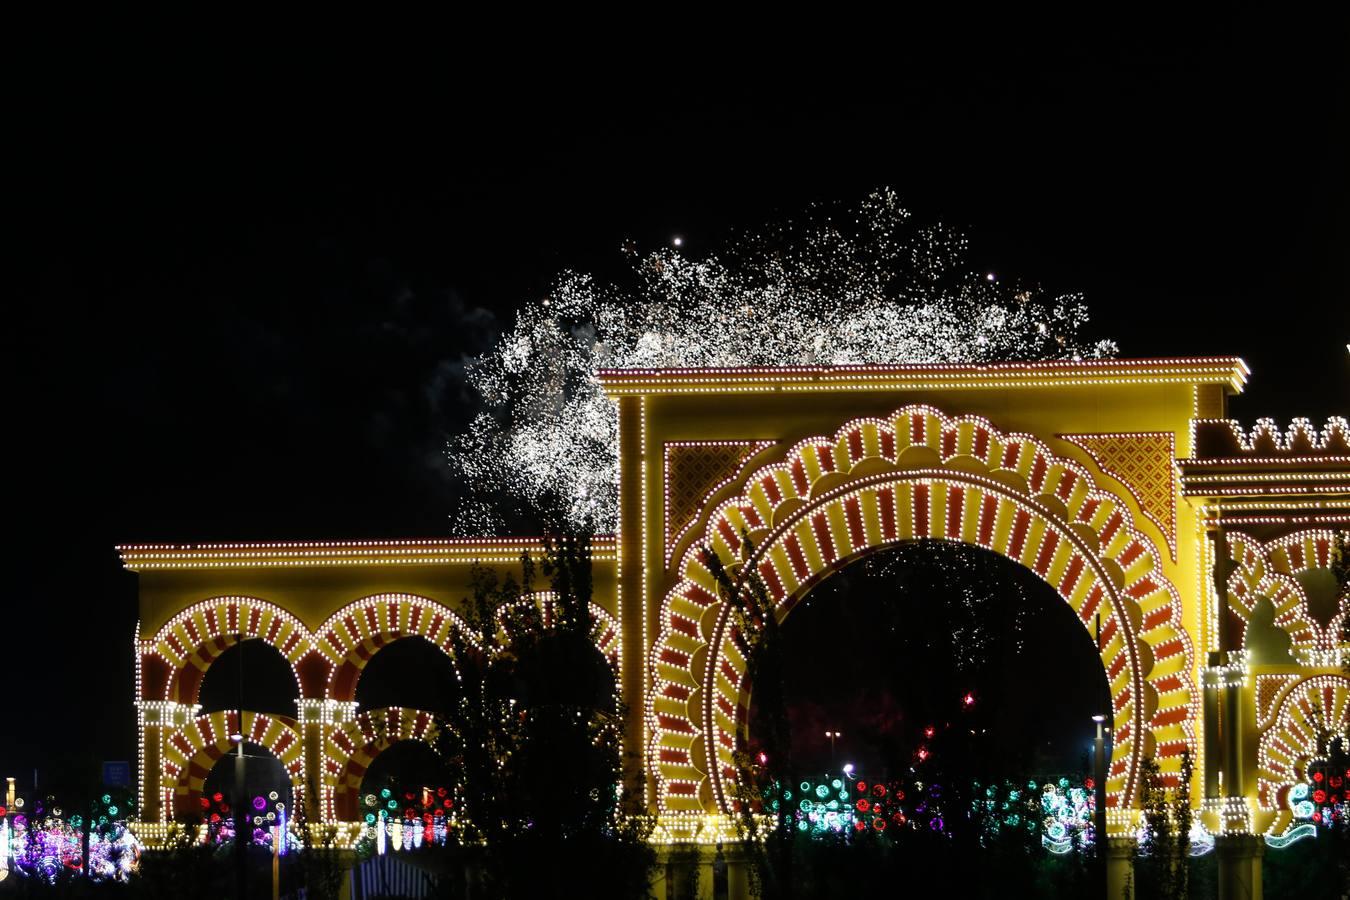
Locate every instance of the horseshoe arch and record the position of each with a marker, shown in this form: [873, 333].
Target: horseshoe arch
[917, 475]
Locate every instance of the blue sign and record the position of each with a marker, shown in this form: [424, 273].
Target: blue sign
[117, 773]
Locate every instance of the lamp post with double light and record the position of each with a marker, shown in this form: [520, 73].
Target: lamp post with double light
[833, 736]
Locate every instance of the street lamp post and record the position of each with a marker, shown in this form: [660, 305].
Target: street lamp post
[240, 818]
[833, 736]
[1099, 786]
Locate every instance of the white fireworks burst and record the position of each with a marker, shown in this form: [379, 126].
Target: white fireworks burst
[839, 285]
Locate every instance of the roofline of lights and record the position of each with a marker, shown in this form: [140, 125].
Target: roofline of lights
[137, 557]
[1229, 371]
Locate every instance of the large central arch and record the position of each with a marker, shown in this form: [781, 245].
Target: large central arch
[881, 482]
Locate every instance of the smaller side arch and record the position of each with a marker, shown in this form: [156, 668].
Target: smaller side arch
[353, 634]
[352, 747]
[604, 626]
[1307, 711]
[192, 639]
[1271, 571]
[189, 752]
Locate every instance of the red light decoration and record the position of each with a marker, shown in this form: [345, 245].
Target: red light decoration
[968, 699]
[863, 805]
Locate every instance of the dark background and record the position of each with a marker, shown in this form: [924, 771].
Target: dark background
[244, 283]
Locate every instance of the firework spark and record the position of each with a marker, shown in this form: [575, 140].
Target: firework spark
[839, 285]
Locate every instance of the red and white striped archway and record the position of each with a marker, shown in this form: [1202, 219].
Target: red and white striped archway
[191, 751]
[189, 642]
[604, 631]
[353, 634]
[1302, 714]
[1272, 571]
[351, 748]
[880, 482]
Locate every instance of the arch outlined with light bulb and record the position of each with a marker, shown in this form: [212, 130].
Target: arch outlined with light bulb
[880, 482]
[350, 749]
[186, 646]
[1300, 717]
[190, 751]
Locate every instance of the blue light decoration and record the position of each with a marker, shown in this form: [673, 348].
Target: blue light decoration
[1292, 835]
[1319, 802]
[1201, 841]
[46, 847]
[1061, 809]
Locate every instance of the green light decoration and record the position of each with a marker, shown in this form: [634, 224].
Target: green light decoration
[1058, 811]
[1323, 801]
[406, 818]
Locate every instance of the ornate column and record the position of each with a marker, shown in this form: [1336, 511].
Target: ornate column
[157, 719]
[1239, 866]
[1120, 868]
[317, 720]
[1239, 850]
[738, 874]
[637, 782]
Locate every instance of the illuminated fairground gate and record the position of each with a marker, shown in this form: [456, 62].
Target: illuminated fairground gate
[1120, 483]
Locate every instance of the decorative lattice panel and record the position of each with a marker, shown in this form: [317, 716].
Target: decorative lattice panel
[693, 470]
[1143, 462]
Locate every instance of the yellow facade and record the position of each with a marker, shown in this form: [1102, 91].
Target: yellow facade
[1093, 474]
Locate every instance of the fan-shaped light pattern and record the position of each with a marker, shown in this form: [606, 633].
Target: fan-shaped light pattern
[352, 746]
[353, 634]
[1307, 711]
[191, 640]
[189, 752]
[604, 626]
[917, 475]
[1271, 571]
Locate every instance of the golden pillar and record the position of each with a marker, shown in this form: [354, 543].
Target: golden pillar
[1120, 868]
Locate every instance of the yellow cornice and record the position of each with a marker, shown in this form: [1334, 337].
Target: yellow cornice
[1230, 372]
[139, 557]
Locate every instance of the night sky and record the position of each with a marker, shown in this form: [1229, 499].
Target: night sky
[244, 285]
